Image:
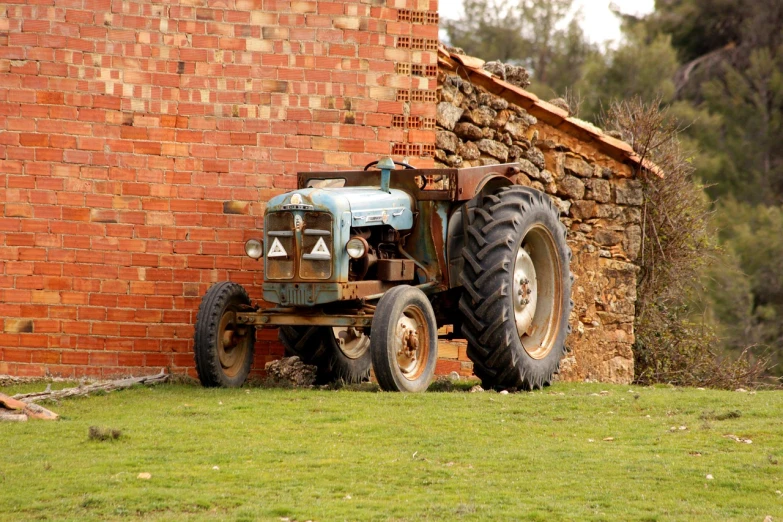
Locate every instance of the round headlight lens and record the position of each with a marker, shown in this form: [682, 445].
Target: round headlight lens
[254, 248]
[356, 247]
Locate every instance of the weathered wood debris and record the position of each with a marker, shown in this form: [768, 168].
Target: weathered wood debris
[23, 406]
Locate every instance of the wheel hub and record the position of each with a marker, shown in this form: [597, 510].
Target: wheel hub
[352, 341]
[408, 347]
[232, 343]
[525, 296]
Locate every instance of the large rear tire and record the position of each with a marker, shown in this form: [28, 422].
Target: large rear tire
[223, 349]
[517, 288]
[404, 340]
[341, 354]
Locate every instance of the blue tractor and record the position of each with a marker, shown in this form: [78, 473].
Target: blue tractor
[363, 267]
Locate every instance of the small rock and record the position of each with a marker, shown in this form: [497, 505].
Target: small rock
[347, 497]
[628, 192]
[517, 75]
[577, 166]
[454, 376]
[144, 476]
[536, 157]
[448, 115]
[530, 170]
[504, 392]
[494, 149]
[476, 389]
[516, 129]
[560, 103]
[468, 131]
[497, 68]
[741, 390]
[609, 439]
[291, 370]
[768, 518]
[571, 187]
[216, 468]
[482, 116]
[447, 141]
[468, 151]
[709, 477]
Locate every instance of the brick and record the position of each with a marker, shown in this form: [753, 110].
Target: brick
[139, 145]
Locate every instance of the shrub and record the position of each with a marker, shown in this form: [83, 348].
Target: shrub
[674, 342]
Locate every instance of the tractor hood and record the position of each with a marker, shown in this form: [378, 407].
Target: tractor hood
[368, 206]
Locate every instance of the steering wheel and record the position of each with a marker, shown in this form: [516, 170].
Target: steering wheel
[401, 164]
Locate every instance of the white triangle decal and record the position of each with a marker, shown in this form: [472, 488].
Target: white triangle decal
[277, 250]
[320, 249]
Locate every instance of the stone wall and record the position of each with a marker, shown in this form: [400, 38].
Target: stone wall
[599, 202]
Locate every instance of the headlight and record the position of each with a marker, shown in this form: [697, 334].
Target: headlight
[356, 247]
[254, 248]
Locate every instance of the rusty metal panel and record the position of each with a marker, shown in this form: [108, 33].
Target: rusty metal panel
[440, 183]
[396, 269]
[471, 180]
[298, 319]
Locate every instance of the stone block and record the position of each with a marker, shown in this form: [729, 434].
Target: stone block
[571, 187]
[577, 166]
[494, 149]
[468, 131]
[628, 192]
[447, 141]
[516, 129]
[605, 237]
[536, 157]
[448, 115]
[633, 241]
[469, 151]
[481, 116]
[583, 209]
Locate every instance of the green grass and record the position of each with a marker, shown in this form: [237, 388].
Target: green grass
[348, 455]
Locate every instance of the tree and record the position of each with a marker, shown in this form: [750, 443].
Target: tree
[642, 66]
[544, 36]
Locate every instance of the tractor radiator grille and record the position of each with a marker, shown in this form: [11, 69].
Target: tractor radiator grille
[280, 232]
[317, 249]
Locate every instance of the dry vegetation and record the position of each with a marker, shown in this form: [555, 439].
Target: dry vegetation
[675, 344]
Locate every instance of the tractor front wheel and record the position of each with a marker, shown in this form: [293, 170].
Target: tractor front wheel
[223, 349]
[404, 340]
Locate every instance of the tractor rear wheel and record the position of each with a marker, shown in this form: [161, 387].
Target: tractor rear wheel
[341, 354]
[223, 348]
[517, 287]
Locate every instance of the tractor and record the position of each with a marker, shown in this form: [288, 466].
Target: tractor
[362, 268]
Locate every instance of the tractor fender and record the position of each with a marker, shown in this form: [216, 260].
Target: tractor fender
[455, 237]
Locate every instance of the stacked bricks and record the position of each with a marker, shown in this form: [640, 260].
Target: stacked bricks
[140, 140]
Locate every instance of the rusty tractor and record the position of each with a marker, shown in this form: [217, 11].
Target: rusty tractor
[363, 267]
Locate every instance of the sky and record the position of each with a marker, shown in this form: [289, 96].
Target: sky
[599, 24]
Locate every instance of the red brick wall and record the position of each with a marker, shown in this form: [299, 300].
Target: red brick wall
[139, 140]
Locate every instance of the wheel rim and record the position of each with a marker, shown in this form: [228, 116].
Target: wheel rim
[233, 344]
[353, 342]
[537, 292]
[412, 343]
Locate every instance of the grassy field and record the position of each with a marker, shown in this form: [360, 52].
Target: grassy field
[570, 452]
